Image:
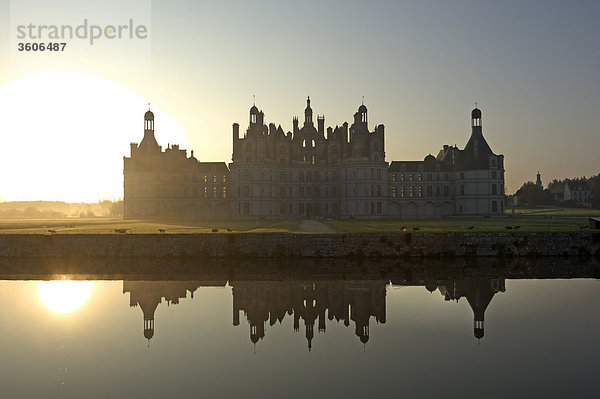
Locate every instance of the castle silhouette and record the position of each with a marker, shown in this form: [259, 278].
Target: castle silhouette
[312, 172]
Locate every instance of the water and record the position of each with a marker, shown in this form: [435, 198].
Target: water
[334, 330]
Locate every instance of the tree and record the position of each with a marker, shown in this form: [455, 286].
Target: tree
[532, 195]
[594, 183]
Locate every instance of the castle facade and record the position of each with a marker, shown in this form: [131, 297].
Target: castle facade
[312, 172]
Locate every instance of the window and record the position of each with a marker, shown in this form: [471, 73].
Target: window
[402, 192]
[402, 177]
[205, 192]
[393, 177]
[420, 177]
[446, 191]
[420, 191]
[224, 192]
[301, 176]
[394, 192]
[462, 189]
[410, 191]
[494, 206]
[429, 191]
[493, 174]
[429, 177]
[410, 177]
[494, 189]
[462, 175]
[215, 192]
[205, 179]
[214, 179]
[224, 178]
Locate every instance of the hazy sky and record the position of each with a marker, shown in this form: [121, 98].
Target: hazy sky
[533, 67]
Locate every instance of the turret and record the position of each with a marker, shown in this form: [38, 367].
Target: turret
[308, 113]
[321, 125]
[476, 120]
[149, 141]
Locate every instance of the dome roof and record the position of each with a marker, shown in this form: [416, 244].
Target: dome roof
[431, 287]
[429, 158]
[476, 113]
[149, 116]
[148, 334]
[362, 108]
[254, 110]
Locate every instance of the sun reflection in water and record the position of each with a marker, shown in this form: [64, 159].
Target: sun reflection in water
[64, 296]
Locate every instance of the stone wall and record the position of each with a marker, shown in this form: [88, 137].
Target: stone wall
[285, 245]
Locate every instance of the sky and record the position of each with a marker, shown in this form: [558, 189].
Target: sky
[533, 67]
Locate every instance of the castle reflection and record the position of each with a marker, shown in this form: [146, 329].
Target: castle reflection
[311, 304]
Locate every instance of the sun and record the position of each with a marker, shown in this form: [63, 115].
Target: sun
[65, 134]
[64, 296]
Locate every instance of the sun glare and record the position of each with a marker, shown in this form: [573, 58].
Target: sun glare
[64, 296]
[64, 135]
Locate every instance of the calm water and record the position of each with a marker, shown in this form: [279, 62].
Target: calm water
[386, 331]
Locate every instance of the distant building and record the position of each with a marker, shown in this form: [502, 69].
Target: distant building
[579, 192]
[311, 172]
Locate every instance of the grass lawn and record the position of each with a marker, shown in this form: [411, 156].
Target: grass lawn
[554, 211]
[109, 225]
[526, 224]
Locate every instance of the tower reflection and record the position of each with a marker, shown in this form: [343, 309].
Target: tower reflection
[479, 294]
[149, 294]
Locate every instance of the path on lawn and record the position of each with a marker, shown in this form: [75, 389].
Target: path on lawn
[312, 226]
